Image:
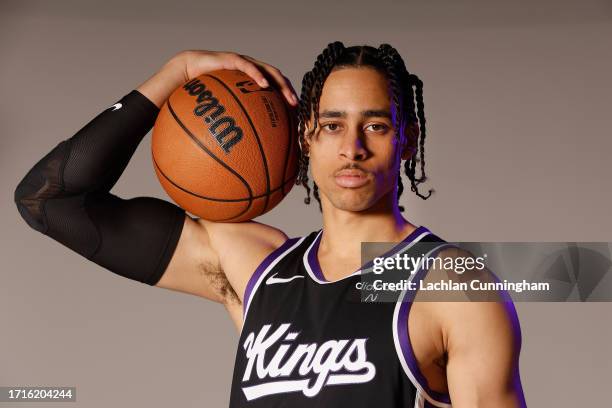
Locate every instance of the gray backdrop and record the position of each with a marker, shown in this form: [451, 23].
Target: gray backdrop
[517, 98]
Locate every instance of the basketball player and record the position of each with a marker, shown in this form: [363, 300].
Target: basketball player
[302, 342]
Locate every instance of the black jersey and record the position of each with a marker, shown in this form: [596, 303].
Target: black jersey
[308, 342]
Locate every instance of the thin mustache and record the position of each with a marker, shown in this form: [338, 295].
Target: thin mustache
[351, 167]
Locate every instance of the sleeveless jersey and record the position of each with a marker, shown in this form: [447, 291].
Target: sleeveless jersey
[308, 342]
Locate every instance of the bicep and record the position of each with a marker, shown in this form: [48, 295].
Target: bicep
[194, 267]
[215, 260]
[483, 352]
[482, 339]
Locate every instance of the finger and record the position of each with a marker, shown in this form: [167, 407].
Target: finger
[293, 92]
[280, 79]
[283, 82]
[249, 68]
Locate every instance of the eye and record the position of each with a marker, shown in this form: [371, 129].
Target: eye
[332, 127]
[378, 127]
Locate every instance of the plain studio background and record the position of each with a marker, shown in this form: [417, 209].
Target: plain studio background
[517, 100]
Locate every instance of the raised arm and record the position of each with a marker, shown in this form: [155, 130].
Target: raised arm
[66, 195]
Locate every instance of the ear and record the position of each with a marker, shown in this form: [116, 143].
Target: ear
[305, 146]
[410, 140]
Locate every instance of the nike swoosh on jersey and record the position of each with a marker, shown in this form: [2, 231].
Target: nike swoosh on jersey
[117, 106]
[273, 279]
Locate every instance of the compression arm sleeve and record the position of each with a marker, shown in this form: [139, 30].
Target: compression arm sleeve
[66, 196]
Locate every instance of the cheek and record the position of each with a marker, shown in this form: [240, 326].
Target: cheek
[323, 150]
[387, 152]
[321, 163]
[324, 143]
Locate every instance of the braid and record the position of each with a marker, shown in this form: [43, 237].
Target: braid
[418, 84]
[401, 83]
[303, 108]
[312, 85]
[420, 107]
[406, 97]
[316, 195]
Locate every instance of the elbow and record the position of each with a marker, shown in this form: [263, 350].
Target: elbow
[42, 183]
[29, 203]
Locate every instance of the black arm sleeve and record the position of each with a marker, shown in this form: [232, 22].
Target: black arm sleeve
[66, 196]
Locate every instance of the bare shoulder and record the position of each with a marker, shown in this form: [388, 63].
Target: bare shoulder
[466, 309]
[252, 232]
[241, 247]
[449, 324]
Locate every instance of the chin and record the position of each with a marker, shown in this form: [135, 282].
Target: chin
[353, 200]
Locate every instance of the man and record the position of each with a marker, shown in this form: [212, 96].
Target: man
[304, 340]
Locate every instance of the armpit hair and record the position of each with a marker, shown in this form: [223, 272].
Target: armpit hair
[214, 275]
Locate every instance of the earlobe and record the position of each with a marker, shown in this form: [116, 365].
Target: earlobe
[307, 138]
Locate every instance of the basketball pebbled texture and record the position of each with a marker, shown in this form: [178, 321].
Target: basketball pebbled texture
[224, 148]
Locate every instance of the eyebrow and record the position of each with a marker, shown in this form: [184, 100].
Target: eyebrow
[370, 113]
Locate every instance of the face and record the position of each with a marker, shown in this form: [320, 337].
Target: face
[354, 153]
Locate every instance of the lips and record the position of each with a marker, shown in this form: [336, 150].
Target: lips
[351, 178]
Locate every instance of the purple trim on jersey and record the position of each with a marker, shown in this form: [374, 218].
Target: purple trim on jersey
[404, 340]
[427, 404]
[313, 260]
[411, 237]
[262, 267]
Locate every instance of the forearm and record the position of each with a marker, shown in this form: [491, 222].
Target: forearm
[66, 196]
[91, 160]
[160, 86]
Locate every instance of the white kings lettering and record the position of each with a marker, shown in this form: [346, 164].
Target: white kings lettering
[221, 126]
[330, 363]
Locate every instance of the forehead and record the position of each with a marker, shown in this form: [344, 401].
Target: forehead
[354, 90]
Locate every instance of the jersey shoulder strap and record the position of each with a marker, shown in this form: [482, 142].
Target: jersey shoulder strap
[285, 256]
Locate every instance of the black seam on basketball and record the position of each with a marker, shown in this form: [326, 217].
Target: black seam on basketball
[261, 150]
[211, 154]
[231, 200]
[189, 192]
[272, 191]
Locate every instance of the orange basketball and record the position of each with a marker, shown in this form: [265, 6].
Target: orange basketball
[224, 148]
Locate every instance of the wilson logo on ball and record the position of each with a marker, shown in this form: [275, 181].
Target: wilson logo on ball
[222, 127]
[223, 150]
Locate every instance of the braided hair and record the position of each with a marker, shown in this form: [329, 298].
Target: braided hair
[407, 99]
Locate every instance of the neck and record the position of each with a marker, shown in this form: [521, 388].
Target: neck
[345, 230]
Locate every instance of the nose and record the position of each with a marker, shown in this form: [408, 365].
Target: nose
[353, 147]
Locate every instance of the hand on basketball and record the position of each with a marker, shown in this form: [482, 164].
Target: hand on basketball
[198, 62]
